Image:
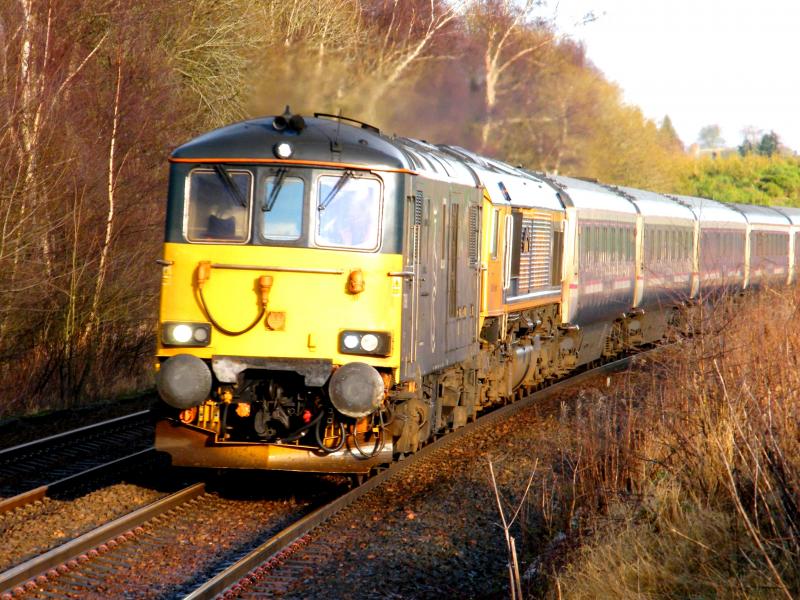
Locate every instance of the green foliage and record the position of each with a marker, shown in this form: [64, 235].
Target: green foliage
[770, 144]
[751, 179]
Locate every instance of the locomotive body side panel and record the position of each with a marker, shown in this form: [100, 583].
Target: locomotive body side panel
[442, 306]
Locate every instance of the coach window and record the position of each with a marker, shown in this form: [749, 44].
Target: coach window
[669, 244]
[631, 241]
[583, 245]
[282, 209]
[218, 205]
[616, 245]
[349, 210]
[604, 244]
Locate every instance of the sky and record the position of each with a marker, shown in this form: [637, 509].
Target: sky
[735, 63]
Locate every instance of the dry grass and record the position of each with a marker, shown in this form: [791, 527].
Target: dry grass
[685, 479]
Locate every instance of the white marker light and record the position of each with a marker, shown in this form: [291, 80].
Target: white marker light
[369, 342]
[200, 335]
[350, 342]
[283, 150]
[181, 333]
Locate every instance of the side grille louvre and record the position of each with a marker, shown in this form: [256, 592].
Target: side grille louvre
[474, 235]
[536, 256]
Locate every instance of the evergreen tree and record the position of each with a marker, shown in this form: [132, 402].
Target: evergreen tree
[770, 144]
[668, 137]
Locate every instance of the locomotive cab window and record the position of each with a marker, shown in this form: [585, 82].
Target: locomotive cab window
[282, 208]
[218, 205]
[349, 211]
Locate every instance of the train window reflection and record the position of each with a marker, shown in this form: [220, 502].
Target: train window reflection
[282, 213]
[218, 206]
[349, 217]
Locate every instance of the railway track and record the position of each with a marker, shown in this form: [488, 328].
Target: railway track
[30, 471]
[74, 565]
[257, 575]
[158, 550]
[130, 553]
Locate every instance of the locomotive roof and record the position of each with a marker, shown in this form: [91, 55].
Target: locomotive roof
[507, 184]
[433, 162]
[520, 191]
[317, 141]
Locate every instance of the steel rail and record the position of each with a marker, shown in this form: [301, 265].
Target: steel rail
[240, 569]
[30, 496]
[43, 442]
[39, 565]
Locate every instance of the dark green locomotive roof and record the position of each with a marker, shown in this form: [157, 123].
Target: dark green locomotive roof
[322, 140]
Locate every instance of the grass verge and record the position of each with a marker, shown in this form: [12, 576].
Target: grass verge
[683, 480]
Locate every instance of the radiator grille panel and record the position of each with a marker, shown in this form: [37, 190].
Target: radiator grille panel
[535, 269]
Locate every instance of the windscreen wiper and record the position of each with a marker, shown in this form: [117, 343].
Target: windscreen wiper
[335, 190]
[276, 189]
[234, 191]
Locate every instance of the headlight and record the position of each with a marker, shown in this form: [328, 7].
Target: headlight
[350, 341]
[369, 342]
[372, 343]
[283, 150]
[181, 333]
[186, 334]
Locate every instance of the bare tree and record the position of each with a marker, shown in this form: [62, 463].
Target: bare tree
[407, 40]
[508, 35]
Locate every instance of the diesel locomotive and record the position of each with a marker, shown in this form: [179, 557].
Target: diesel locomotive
[333, 297]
